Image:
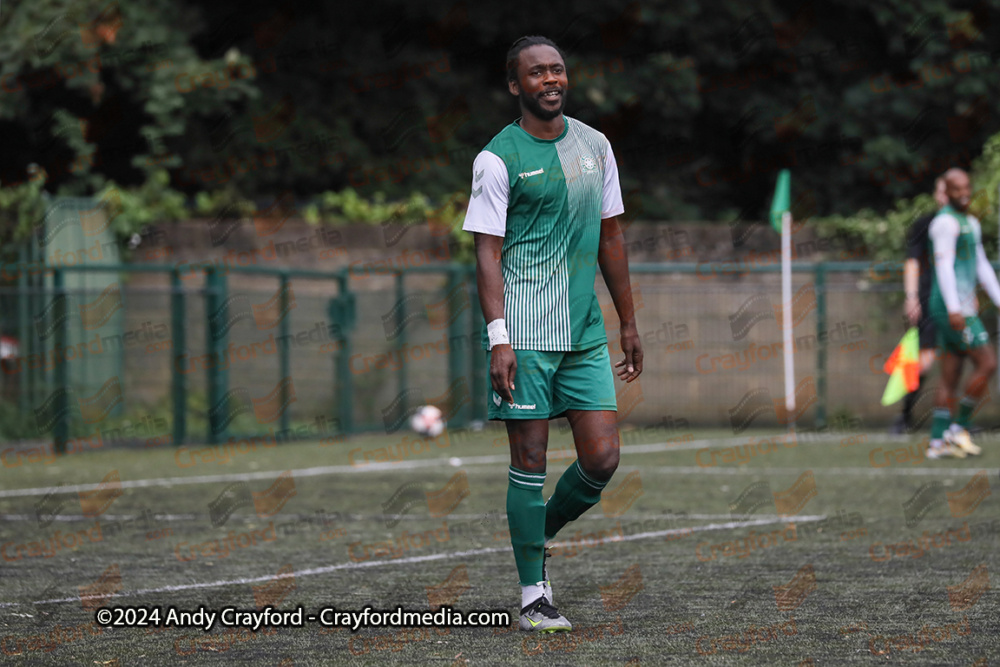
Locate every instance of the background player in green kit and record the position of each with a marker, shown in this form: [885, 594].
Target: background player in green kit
[545, 196]
[959, 262]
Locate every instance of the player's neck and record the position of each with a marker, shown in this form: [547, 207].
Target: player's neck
[956, 209]
[543, 129]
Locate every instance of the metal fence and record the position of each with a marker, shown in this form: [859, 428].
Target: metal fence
[218, 353]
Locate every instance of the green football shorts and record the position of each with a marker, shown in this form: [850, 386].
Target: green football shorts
[972, 336]
[547, 384]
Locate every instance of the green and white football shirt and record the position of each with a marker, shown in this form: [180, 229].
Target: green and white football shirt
[547, 198]
[955, 239]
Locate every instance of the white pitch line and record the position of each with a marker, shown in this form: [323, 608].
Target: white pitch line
[443, 463]
[424, 559]
[502, 516]
[904, 471]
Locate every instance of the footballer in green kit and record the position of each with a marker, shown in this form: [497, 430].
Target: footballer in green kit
[959, 264]
[543, 209]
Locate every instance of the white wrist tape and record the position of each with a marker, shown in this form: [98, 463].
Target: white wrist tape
[497, 332]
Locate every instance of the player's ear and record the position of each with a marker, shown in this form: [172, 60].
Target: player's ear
[513, 87]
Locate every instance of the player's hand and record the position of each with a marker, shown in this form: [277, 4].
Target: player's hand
[630, 367]
[912, 310]
[956, 321]
[503, 367]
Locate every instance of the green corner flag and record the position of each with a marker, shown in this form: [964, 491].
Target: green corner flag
[782, 199]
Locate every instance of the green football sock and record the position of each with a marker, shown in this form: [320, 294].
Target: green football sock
[965, 408]
[940, 423]
[526, 520]
[575, 494]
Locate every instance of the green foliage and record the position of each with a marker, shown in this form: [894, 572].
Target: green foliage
[884, 234]
[152, 202]
[347, 206]
[22, 209]
[702, 103]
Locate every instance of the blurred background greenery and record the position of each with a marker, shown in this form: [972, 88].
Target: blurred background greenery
[371, 111]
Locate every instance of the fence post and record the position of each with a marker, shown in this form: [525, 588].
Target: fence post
[401, 332]
[343, 314]
[216, 316]
[478, 385]
[284, 351]
[456, 334]
[821, 348]
[61, 403]
[178, 343]
[24, 333]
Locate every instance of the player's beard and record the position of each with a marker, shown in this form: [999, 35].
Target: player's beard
[960, 204]
[532, 104]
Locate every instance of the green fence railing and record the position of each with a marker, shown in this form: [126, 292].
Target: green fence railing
[348, 395]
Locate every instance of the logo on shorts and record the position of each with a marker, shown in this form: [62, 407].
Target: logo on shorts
[518, 406]
[496, 399]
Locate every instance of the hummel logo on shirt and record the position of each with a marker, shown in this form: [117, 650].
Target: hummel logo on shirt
[526, 174]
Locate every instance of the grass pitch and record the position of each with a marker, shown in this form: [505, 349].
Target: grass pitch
[708, 548]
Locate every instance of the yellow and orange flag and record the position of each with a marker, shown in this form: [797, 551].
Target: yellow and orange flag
[903, 366]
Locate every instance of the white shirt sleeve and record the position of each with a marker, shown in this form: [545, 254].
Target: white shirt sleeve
[984, 272]
[487, 212]
[944, 232]
[611, 202]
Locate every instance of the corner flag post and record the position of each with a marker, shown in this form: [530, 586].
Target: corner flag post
[781, 210]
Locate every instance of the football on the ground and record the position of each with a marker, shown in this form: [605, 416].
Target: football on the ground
[428, 421]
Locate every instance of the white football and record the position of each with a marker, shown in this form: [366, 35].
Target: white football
[428, 421]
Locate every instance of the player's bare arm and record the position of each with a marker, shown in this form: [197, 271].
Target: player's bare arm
[489, 279]
[613, 261]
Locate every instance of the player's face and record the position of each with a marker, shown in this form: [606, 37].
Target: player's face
[959, 190]
[541, 82]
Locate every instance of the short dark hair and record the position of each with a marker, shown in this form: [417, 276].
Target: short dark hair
[520, 45]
